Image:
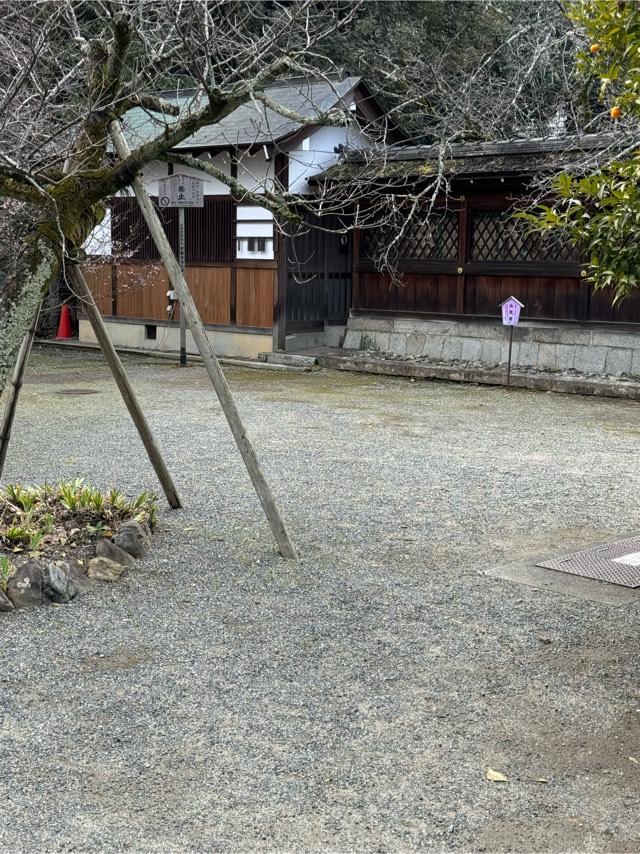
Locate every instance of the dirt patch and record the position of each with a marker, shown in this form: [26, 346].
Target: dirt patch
[121, 660]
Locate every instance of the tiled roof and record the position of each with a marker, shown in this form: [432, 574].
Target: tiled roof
[250, 124]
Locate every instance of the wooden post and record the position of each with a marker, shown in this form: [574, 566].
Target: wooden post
[280, 292]
[128, 395]
[286, 547]
[509, 357]
[182, 253]
[13, 392]
[463, 243]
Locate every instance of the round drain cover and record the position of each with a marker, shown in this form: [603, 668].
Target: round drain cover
[78, 391]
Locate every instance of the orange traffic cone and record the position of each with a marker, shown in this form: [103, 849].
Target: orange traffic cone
[64, 327]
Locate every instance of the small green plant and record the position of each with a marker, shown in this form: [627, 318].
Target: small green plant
[6, 570]
[16, 535]
[99, 529]
[36, 518]
[35, 540]
[24, 499]
[116, 499]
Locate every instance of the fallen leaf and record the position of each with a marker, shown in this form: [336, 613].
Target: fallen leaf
[495, 776]
[634, 760]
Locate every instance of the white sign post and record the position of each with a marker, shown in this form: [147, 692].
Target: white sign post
[510, 317]
[181, 191]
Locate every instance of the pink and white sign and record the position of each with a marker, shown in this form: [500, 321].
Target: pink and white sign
[511, 311]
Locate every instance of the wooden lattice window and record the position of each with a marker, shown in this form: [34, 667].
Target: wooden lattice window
[208, 230]
[432, 239]
[497, 236]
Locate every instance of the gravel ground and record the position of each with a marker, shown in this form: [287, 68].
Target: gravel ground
[223, 699]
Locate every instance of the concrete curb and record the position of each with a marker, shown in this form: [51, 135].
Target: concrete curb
[539, 382]
[171, 356]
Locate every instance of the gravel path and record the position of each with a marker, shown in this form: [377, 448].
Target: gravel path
[222, 699]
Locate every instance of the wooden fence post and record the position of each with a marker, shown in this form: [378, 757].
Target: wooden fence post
[194, 321]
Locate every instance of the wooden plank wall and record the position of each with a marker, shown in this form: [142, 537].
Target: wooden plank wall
[211, 290]
[98, 278]
[225, 295]
[141, 291]
[461, 281]
[254, 296]
[545, 297]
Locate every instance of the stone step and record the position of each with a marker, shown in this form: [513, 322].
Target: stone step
[291, 360]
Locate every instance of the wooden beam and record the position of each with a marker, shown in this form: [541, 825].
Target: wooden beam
[13, 392]
[285, 545]
[83, 293]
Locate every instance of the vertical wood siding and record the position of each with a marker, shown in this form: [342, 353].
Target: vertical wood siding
[254, 297]
[209, 230]
[211, 290]
[98, 278]
[141, 292]
[492, 260]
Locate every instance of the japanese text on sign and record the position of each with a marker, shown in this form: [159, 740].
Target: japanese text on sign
[511, 311]
[181, 191]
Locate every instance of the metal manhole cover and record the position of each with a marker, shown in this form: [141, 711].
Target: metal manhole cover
[78, 391]
[617, 563]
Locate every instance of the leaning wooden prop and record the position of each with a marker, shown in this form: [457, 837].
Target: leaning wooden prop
[194, 321]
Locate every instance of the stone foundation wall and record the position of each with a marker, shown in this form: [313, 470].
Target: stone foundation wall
[561, 348]
[225, 342]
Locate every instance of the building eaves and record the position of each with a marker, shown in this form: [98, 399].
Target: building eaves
[252, 123]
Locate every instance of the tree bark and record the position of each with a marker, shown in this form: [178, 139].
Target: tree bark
[34, 276]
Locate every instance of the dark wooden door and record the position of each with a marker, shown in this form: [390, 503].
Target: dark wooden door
[319, 273]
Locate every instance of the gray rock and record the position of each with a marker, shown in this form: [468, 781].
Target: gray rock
[5, 604]
[103, 569]
[108, 549]
[133, 539]
[24, 589]
[57, 585]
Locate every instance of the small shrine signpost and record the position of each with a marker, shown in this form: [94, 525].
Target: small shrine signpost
[510, 317]
[181, 191]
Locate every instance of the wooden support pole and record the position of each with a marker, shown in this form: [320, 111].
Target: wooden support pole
[194, 322]
[122, 381]
[13, 392]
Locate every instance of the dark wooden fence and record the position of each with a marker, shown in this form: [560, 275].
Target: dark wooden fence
[468, 258]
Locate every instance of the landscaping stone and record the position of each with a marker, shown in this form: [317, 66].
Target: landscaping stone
[5, 604]
[133, 539]
[24, 589]
[108, 549]
[57, 585]
[103, 569]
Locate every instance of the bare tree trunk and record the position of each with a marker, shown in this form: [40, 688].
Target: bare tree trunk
[36, 274]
